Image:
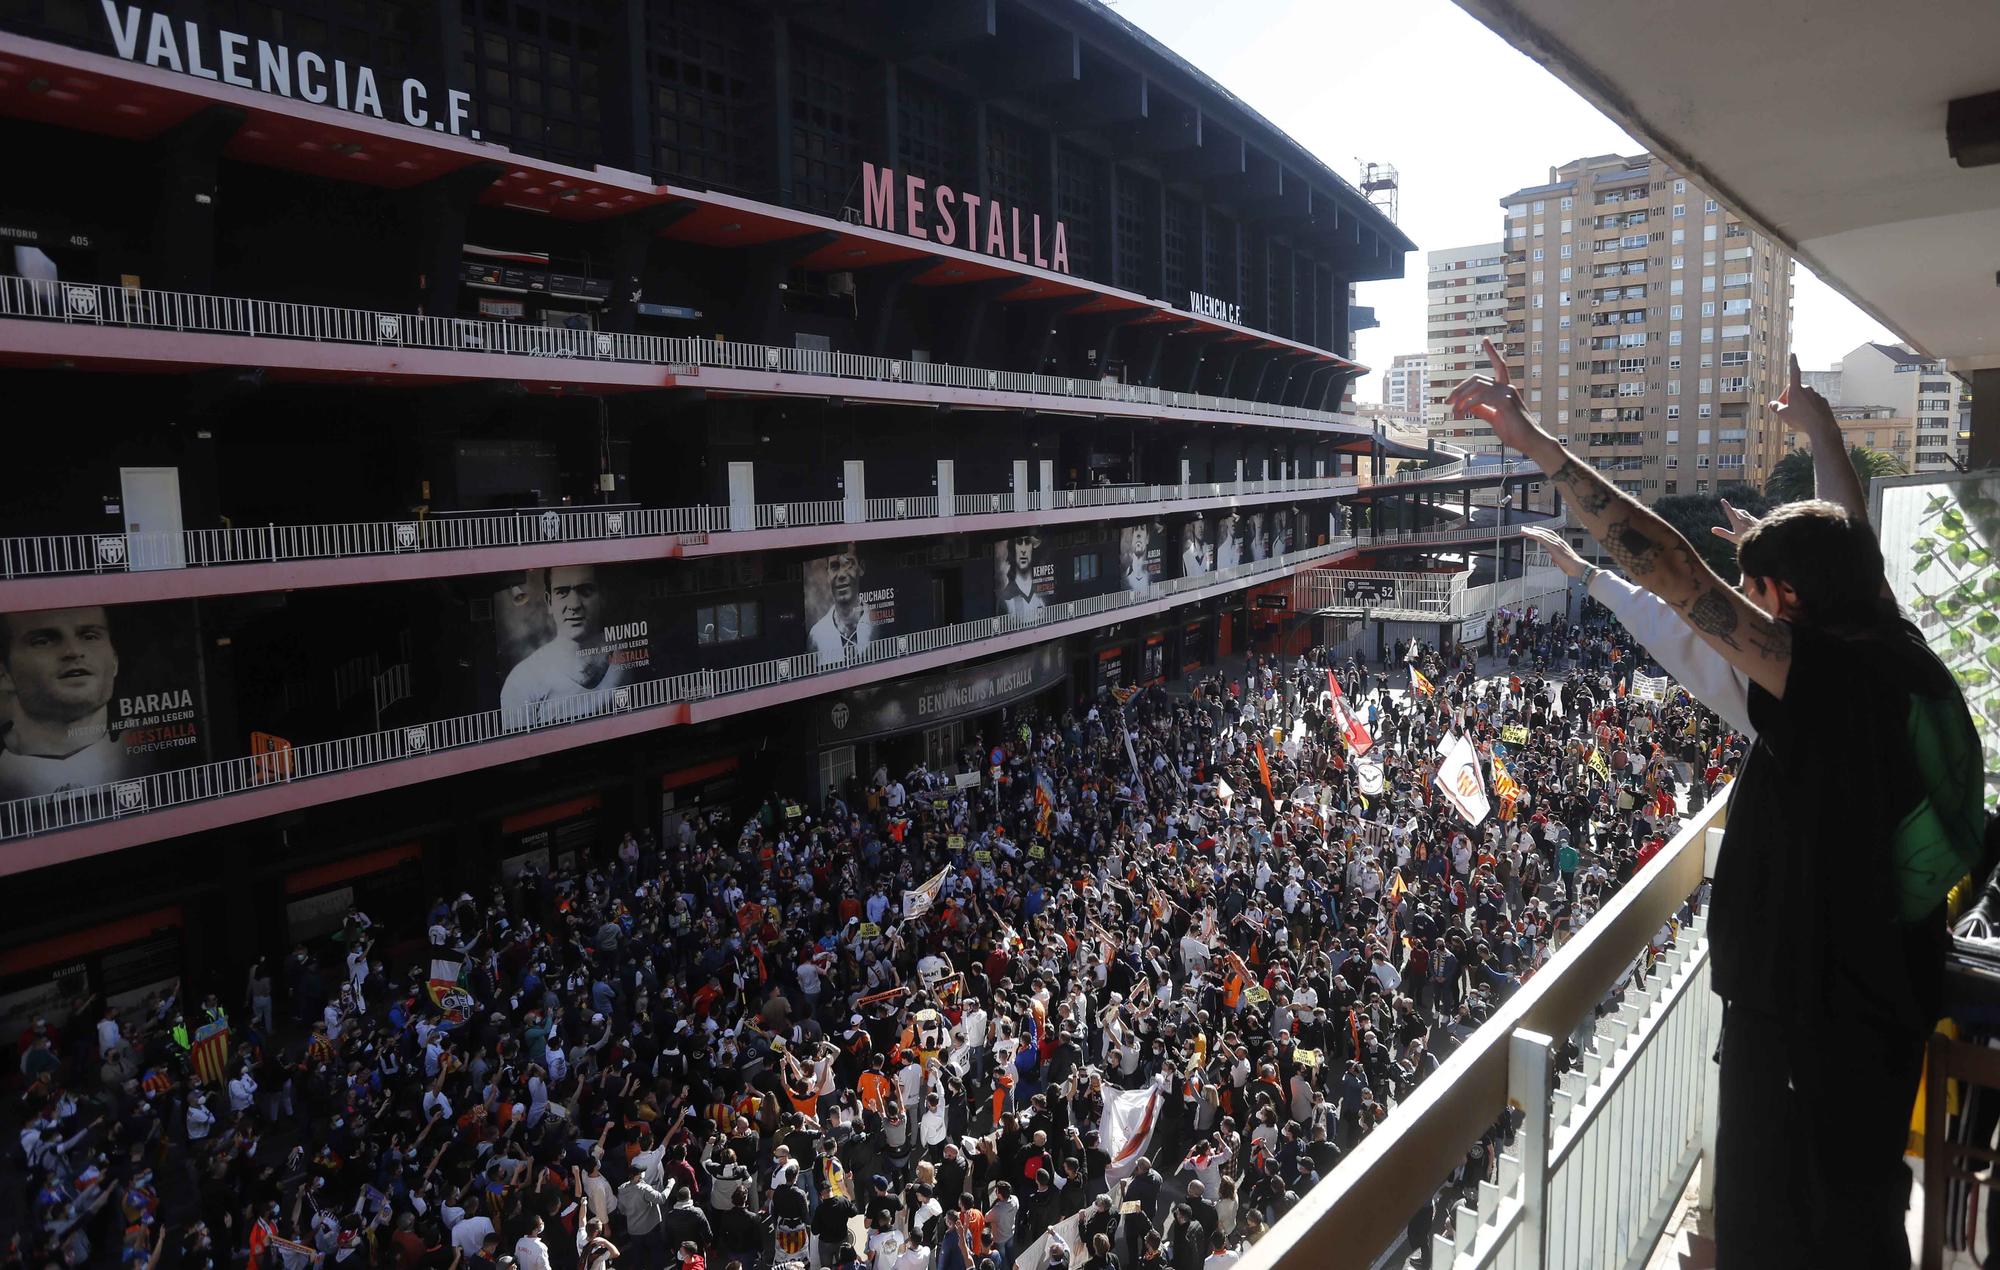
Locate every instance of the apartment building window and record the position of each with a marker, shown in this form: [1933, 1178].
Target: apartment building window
[1673, 388]
[1707, 360]
[1673, 460]
[1535, 325]
[1680, 210]
[1708, 335]
[1538, 254]
[1673, 436]
[1562, 346]
[1566, 251]
[1708, 308]
[1517, 209]
[1565, 225]
[1562, 297]
[1562, 323]
[1711, 206]
[1538, 207]
[1701, 461]
[1562, 416]
[1538, 272]
[1538, 229]
[1680, 187]
[1562, 393]
[1673, 412]
[1564, 275]
[1568, 202]
[1708, 283]
[1535, 302]
[1736, 308]
[1708, 233]
[1562, 370]
[1680, 262]
[1673, 363]
[1535, 347]
[1677, 286]
[1674, 312]
[1673, 339]
[1704, 411]
[1701, 487]
[1729, 460]
[1741, 357]
[1680, 236]
[1708, 260]
[1705, 388]
[1519, 231]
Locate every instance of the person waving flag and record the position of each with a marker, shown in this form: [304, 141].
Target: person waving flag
[1419, 683]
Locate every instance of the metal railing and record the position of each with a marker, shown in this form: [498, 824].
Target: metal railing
[27, 817]
[1473, 534]
[58, 554]
[94, 305]
[1603, 1153]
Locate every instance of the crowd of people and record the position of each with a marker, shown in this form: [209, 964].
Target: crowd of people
[884, 1030]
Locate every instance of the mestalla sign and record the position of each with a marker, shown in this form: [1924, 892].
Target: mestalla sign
[908, 204]
[230, 57]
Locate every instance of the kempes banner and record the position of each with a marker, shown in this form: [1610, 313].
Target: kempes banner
[1139, 554]
[567, 630]
[1024, 579]
[97, 695]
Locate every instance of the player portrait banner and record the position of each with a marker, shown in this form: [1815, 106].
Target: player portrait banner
[1126, 1127]
[1139, 555]
[1024, 579]
[1197, 549]
[846, 612]
[566, 634]
[1459, 781]
[98, 695]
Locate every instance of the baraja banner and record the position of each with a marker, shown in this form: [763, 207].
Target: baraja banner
[97, 695]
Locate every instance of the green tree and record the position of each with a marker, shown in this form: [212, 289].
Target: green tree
[1694, 515]
[1791, 478]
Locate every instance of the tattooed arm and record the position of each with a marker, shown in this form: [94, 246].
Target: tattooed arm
[1649, 551]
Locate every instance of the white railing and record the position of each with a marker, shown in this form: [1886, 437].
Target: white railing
[1603, 1152]
[1472, 534]
[26, 817]
[90, 304]
[55, 554]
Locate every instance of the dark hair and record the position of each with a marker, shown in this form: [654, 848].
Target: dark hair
[1831, 559]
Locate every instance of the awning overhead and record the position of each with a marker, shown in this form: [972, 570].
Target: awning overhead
[1822, 121]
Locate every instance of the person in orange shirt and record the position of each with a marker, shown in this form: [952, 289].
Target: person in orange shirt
[874, 1087]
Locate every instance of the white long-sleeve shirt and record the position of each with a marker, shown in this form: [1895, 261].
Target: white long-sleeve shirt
[1682, 653]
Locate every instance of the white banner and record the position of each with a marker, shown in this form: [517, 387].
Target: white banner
[918, 902]
[1459, 781]
[1651, 687]
[1126, 1127]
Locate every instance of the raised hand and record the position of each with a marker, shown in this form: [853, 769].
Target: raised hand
[1559, 551]
[1802, 408]
[1739, 520]
[1494, 398]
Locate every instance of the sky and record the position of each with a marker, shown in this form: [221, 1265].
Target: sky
[1423, 86]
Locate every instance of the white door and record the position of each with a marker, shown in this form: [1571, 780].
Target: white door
[1021, 502]
[1048, 474]
[855, 483]
[947, 488]
[742, 496]
[151, 497]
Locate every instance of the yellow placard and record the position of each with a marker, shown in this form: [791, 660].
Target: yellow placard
[870, 930]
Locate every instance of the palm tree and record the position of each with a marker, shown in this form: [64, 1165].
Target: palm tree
[1791, 478]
